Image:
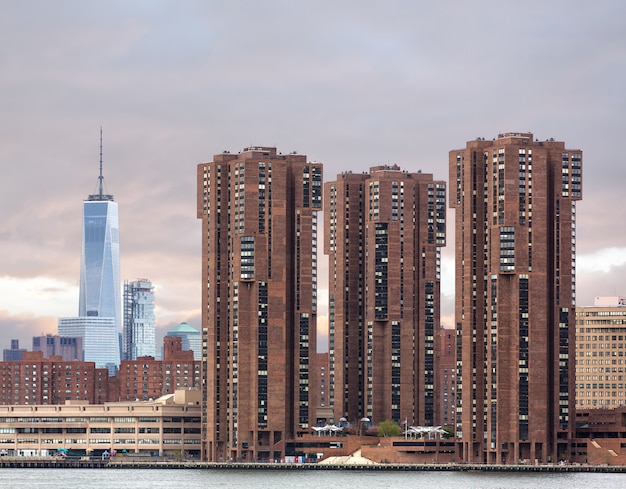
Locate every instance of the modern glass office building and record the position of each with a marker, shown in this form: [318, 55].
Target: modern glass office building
[100, 339]
[139, 320]
[100, 294]
[100, 261]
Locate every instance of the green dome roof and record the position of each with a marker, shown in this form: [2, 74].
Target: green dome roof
[182, 328]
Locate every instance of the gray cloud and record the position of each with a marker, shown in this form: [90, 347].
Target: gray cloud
[24, 327]
[351, 84]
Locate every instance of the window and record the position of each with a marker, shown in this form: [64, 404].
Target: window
[247, 258]
[507, 249]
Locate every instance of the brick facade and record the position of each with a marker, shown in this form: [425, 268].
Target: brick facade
[38, 380]
[514, 199]
[259, 275]
[383, 231]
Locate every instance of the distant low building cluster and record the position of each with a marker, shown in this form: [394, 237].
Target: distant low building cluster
[39, 380]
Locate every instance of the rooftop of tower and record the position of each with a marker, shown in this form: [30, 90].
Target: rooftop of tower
[104, 197]
[522, 135]
[265, 149]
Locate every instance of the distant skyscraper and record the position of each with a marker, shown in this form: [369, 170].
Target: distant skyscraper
[383, 231]
[139, 320]
[259, 279]
[514, 200]
[100, 295]
[13, 353]
[191, 339]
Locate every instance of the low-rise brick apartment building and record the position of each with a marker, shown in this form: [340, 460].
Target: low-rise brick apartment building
[39, 380]
[36, 380]
[146, 378]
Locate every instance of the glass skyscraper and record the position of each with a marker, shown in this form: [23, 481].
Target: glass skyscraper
[100, 339]
[139, 320]
[100, 261]
[100, 294]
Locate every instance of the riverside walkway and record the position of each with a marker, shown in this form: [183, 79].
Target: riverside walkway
[129, 463]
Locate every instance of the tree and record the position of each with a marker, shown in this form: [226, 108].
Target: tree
[449, 432]
[388, 428]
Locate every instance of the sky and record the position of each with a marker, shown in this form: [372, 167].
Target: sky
[351, 84]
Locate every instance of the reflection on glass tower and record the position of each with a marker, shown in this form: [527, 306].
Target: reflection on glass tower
[139, 320]
[100, 294]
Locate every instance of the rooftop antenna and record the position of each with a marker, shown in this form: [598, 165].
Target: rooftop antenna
[100, 195]
[100, 178]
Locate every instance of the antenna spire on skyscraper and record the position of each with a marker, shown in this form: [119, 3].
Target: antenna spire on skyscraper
[100, 195]
[100, 178]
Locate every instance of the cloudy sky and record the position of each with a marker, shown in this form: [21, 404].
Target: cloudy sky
[349, 83]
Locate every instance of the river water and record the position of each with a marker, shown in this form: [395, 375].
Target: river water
[289, 479]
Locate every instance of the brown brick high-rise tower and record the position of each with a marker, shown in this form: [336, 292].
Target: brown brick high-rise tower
[383, 231]
[515, 313]
[259, 276]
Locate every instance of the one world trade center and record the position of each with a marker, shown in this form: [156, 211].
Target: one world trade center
[99, 309]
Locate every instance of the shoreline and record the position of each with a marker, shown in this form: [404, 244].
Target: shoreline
[24, 463]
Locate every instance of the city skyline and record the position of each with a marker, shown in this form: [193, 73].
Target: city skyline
[354, 89]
